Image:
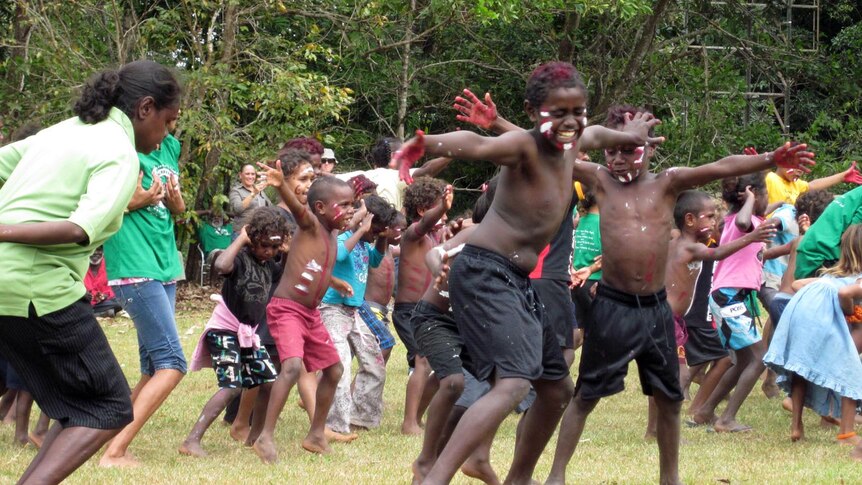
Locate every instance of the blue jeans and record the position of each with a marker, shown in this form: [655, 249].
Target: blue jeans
[151, 305]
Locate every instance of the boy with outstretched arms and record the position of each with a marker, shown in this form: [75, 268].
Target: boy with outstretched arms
[426, 202]
[497, 312]
[630, 318]
[695, 217]
[292, 314]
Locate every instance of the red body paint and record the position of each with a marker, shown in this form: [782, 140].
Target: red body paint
[407, 155]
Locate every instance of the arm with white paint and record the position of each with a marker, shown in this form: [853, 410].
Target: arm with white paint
[300, 211]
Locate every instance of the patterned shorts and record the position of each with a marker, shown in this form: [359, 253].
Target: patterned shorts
[237, 367]
[377, 319]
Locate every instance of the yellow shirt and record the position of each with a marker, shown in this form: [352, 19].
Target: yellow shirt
[72, 171]
[780, 190]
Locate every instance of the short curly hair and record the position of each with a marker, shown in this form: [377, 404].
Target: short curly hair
[265, 223]
[731, 187]
[813, 203]
[422, 195]
[550, 76]
[291, 159]
[311, 145]
[381, 152]
[617, 115]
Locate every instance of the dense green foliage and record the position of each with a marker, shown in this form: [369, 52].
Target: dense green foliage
[258, 72]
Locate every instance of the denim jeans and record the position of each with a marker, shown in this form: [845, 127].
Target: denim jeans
[151, 304]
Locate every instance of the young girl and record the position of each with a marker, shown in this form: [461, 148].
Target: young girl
[812, 351]
[240, 361]
[64, 193]
[733, 300]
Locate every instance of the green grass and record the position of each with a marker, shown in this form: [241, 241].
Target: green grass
[612, 450]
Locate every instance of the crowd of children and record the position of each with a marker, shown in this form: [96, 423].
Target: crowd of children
[490, 307]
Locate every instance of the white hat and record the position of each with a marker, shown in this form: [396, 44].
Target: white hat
[328, 154]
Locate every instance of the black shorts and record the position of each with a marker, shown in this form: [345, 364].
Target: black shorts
[438, 339]
[401, 315]
[583, 301]
[238, 367]
[703, 346]
[65, 361]
[557, 301]
[501, 320]
[622, 328]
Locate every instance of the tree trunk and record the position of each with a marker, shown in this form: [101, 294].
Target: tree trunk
[404, 86]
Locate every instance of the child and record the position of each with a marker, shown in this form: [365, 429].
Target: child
[498, 314]
[694, 216]
[292, 314]
[426, 202]
[362, 405]
[229, 338]
[732, 300]
[102, 298]
[586, 260]
[784, 185]
[630, 318]
[813, 352]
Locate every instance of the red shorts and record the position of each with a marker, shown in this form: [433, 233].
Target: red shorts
[299, 332]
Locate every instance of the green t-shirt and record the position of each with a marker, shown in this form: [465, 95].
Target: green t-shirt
[146, 247]
[588, 243]
[822, 242]
[72, 171]
[212, 238]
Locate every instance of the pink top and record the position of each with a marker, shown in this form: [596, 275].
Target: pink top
[223, 319]
[744, 268]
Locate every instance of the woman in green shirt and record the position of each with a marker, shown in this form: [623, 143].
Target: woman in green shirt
[64, 193]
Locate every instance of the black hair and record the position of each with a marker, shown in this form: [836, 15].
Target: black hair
[291, 159]
[733, 187]
[589, 199]
[124, 88]
[25, 131]
[813, 203]
[483, 203]
[617, 116]
[688, 202]
[323, 187]
[422, 194]
[266, 222]
[399, 219]
[550, 76]
[381, 152]
[383, 211]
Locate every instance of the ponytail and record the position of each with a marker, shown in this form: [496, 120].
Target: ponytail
[124, 88]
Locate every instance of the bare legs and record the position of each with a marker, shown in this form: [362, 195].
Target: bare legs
[63, 451]
[147, 397]
[192, 445]
[450, 389]
[412, 402]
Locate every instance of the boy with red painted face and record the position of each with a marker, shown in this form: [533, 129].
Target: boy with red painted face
[426, 202]
[630, 318]
[496, 309]
[292, 314]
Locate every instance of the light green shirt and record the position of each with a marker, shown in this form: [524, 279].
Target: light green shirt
[72, 171]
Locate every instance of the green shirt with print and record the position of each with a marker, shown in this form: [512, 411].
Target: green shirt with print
[588, 243]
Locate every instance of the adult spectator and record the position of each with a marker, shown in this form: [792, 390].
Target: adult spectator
[328, 161]
[246, 196]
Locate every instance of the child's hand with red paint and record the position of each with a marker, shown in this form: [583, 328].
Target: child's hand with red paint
[792, 156]
[406, 156]
[474, 111]
[274, 176]
[852, 175]
[749, 151]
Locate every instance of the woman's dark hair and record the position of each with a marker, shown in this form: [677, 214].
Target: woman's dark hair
[266, 222]
[732, 187]
[124, 88]
[483, 203]
[381, 152]
[550, 76]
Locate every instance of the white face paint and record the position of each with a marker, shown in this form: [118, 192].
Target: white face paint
[545, 127]
[308, 170]
[544, 114]
[567, 146]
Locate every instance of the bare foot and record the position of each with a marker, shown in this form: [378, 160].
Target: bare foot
[731, 427]
[265, 450]
[420, 470]
[480, 471]
[37, 439]
[787, 404]
[240, 433]
[849, 439]
[856, 453]
[21, 440]
[192, 448]
[770, 389]
[797, 433]
[316, 445]
[339, 437]
[411, 429]
[828, 422]
[650, 435]
[125, 461]
[698, 419]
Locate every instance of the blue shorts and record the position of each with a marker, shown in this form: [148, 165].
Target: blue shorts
[376, 317]
[151, 306]
[734, 310]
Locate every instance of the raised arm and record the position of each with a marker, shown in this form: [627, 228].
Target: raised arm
[432, 167]
[431, 216]
[851, 175]
[785, 156]
[354, 238]
[482, 113]
[764, 233]
[506, 149]
[634, 132]
[225, 261]
[275, 178]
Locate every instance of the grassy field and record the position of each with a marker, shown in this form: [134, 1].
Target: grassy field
[612, 451]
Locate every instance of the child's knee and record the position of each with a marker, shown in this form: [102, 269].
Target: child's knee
[290, 369]
[452, 385]
[334, 372]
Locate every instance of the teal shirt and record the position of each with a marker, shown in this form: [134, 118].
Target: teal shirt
[146, 247]
[352, 267]
[72, 171]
